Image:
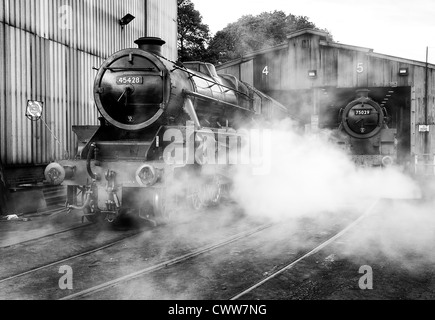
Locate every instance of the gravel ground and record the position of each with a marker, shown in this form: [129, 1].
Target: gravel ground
[393, 245]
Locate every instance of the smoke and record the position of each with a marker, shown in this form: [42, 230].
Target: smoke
[310, 177]
[306, 179]
[308, 174]
[401, 232]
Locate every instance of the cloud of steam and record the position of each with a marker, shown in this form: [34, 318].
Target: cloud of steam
[311, 177]
[309, 174]
[402, 232]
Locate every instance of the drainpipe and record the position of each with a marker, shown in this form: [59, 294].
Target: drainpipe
[426, 107]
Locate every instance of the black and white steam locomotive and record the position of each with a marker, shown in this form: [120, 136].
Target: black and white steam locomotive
[149, 104]
[365, 134]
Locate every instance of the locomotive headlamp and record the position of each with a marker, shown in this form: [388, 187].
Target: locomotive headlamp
[146, 175]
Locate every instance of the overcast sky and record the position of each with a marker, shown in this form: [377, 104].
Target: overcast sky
[402, 28]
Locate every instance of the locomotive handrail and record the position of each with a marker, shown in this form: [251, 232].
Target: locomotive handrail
[228, 134]
[215, 83]
[128, 69]
[201, 96]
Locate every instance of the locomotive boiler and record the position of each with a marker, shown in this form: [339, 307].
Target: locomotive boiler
[147, 104]
[365, 134]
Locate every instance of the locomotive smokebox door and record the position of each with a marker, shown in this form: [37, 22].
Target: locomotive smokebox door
[132, 88]
[363, 118]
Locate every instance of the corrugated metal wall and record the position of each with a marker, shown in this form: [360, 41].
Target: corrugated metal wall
[47, 51]
[164, 25]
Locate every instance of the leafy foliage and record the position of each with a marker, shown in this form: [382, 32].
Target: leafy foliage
[193, 34]
[251, 33]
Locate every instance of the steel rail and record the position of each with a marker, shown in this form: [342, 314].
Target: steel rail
[162, 265]
[47, 235]
[70, 258]
[309, 254]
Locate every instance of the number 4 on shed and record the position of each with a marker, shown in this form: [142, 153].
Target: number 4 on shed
[266, 70]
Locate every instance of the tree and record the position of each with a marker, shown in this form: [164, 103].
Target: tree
[251, 33]
[193, 35]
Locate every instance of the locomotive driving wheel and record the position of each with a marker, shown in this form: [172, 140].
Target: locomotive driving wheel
[205, 193]
[156, 210]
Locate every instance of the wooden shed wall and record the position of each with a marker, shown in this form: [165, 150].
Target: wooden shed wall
[285, 69]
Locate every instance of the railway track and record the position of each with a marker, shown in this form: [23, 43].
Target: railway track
[184, 257]
[168, 263]
[81, 254]
[85, 225]
[308, 254]
[209, 248]
[111, 244]
[51, 213]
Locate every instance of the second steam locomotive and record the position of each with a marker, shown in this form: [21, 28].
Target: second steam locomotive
[121, 165]
[364, 132]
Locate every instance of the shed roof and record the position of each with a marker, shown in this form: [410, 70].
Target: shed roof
[326, 42]
[298, 33]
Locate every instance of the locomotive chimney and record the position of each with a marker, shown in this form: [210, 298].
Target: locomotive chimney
[151, 44]
[363, 93]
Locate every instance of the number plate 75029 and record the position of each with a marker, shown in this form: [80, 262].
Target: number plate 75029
[364, 112]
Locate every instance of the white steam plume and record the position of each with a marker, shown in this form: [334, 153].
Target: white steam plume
[308, 174]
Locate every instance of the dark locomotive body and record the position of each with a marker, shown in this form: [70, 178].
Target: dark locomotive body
[364, 133]
[120, 165]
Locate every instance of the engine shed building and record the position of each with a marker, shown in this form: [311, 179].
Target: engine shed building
[312, 75]
[48, 49]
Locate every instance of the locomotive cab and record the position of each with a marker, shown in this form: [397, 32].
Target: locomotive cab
[205, 68]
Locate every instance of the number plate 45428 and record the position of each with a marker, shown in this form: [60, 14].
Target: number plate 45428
[129, 80]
